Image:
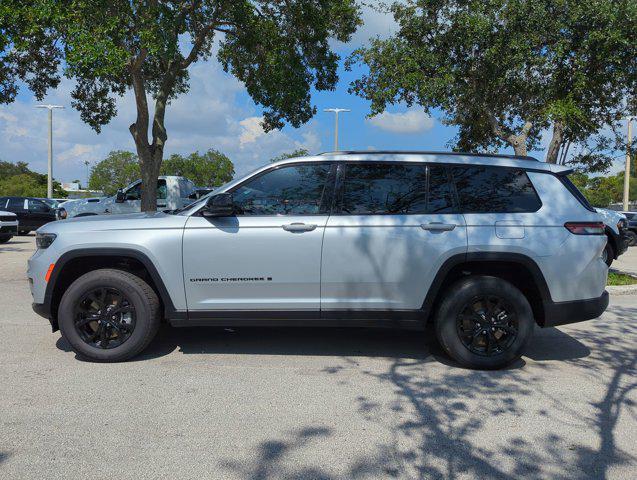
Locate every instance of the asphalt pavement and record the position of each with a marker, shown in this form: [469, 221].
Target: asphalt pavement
[323, 404]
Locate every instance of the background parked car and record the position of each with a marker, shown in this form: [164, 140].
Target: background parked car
[32, 212]
[632, 227]
[8, 226]
[617, 233]
[172, 193]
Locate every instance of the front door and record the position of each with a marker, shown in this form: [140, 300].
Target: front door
[268, 256]
[393, 227]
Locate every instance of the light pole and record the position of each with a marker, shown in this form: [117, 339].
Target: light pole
[49, 183]
[627, 167]
[336, 112]
[86, 162]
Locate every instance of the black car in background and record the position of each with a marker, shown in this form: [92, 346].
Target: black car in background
[32, 212]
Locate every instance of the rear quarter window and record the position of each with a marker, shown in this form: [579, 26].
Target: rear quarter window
[486, 189]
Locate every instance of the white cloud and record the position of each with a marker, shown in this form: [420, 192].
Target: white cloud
[411, 121]
[251, 129]
[78, 153]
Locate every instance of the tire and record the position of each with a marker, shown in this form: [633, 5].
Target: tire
[608, 255]
[139, 297]
[462, 297]
[5, 238]
[632, 238]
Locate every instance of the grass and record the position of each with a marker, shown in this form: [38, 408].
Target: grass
[621, 279]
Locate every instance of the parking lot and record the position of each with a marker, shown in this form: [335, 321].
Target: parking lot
[312, 403]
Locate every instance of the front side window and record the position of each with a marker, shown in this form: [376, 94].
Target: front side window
[37, 206]
[135, 192]
[486, 189]
[386, 189]
[293, 190]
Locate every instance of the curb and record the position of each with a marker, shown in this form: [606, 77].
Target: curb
[622, 289]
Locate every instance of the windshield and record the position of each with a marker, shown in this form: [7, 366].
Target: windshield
[216, 190]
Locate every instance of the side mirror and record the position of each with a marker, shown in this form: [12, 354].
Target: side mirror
[120, 197]
[220, 205]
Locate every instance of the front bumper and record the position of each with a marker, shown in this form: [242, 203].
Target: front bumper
[9, 229]
[622, 242]
[562, 313]
[44, 310]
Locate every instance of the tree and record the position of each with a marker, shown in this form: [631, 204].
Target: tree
[299, 152]
[212, 168]
[279, 49]
[602, 191]
[29, 185]
[117, 170]
[505, 71]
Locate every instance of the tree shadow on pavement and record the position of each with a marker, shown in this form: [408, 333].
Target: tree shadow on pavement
[454, 423]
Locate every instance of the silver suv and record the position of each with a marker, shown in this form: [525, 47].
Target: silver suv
[483, 246]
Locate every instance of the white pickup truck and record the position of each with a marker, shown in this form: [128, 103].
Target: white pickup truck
[172, 193]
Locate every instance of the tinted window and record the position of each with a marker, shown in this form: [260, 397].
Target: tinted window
[483, 189]
[381, 189]
[135, 192]
[37, 206]
[16, 204]
[294, 190]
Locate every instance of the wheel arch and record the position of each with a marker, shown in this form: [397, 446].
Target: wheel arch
[518, 269]
[74, 263]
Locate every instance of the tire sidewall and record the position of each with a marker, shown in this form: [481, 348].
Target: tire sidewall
[97, 279]
[457, 298]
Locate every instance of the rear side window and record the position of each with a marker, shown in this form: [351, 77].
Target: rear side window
[16, 204]
[386, 189]
[485, 189]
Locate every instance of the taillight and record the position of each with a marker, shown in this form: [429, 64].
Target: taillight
[585, 228]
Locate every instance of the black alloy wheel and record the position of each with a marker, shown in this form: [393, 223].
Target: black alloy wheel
[104, 317]
[487, 325]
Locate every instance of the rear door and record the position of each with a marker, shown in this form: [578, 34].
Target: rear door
[39, 213]
[394, 225]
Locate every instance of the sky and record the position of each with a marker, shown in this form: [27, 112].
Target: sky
[218, 113]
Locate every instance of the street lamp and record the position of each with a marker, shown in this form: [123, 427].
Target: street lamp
[627, 167]
[87, 163]
[336, 112]
[49, 183]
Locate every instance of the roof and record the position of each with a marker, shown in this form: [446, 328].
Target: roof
[462, 158]
[429, 152]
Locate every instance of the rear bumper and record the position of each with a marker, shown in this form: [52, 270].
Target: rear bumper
[562, 313]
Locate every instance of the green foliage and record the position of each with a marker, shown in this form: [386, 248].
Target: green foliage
[16, 179]
[299, 152]
[621, 279]
[117, 170]
[601, 191]
[210, 169]
[120, 168]
[279, 49]
[503, 71]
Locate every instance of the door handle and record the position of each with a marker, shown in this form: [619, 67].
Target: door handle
[299, 227]
[438, 227]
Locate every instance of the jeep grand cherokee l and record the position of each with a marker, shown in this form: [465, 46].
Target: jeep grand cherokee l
[483, 246]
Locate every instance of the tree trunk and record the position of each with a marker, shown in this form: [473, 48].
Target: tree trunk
[556, 142]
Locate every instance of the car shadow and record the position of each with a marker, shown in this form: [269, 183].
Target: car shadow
[549, 344]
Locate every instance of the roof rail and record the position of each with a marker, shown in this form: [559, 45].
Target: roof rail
[429, 152]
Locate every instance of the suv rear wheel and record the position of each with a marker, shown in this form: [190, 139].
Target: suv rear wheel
[484, 322]
[109, 315]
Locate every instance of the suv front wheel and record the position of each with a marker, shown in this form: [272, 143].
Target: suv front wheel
[484, 322]
[109, 315]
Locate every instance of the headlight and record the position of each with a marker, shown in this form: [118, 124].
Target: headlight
[62, 214]
[44, 240]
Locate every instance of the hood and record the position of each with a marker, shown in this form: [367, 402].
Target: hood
[129, 221]
[9, 214]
